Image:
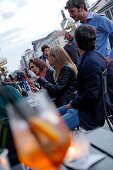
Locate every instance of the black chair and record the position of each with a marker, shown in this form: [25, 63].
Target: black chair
[108, 110]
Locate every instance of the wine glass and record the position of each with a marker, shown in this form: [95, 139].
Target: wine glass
[40, 135]
[78, 150]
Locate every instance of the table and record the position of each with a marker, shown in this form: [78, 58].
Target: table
[101, 142]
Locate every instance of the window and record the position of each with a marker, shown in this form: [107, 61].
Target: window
[54, 43]
[108, 15]
[58, 42]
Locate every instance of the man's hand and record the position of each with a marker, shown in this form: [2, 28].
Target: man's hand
[108, 60]
[69, 106]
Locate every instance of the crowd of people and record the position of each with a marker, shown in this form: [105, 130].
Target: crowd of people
[71, 74]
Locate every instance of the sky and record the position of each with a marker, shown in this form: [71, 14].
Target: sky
[23, 21]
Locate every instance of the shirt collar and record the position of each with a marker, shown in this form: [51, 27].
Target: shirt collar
[90, 16]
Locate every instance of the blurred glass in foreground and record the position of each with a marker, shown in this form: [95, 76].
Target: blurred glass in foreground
[41, 137]
[4, 163]
[79, 148]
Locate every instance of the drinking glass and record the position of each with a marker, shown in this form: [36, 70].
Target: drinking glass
[40, 135]
[4, 163]
[79, 149]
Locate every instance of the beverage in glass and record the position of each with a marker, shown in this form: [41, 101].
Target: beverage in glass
[42, 140]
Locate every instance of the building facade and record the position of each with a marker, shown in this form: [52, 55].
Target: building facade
[25, 59]
[54, 38]
[103, 6]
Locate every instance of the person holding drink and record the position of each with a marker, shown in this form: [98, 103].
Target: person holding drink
[40, 68]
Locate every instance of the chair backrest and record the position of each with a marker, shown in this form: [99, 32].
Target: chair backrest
[104, 81]
[105, 97]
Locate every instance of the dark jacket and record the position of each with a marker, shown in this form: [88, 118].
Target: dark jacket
[64, 88]
[49, 77]
[72, 52]
[43, 57]
[89, 100]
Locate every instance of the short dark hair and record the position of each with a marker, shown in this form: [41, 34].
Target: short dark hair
[44, 47]
[38, 63]
[85, 36]
[75, 3]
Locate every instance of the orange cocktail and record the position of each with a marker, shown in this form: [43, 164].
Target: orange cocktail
[47, 150]
[41, 137]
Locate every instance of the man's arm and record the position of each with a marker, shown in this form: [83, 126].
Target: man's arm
[107, 25]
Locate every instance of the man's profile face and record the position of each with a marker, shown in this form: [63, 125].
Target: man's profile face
[68, 36]
[46, 51]
[74, 13]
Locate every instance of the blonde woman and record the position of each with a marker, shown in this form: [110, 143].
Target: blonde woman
[65, 76]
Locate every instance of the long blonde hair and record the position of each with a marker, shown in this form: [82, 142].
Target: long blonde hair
[62, 58]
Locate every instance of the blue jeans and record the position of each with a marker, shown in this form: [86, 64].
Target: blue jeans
[70, 116]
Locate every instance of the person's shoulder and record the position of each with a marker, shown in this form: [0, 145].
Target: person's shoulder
[92, 55]
[12, 90]
[8, 87]
[100, 17]
[67, 67]
[65, 46]
[41, 57]
[95, 58]
[50, 70]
